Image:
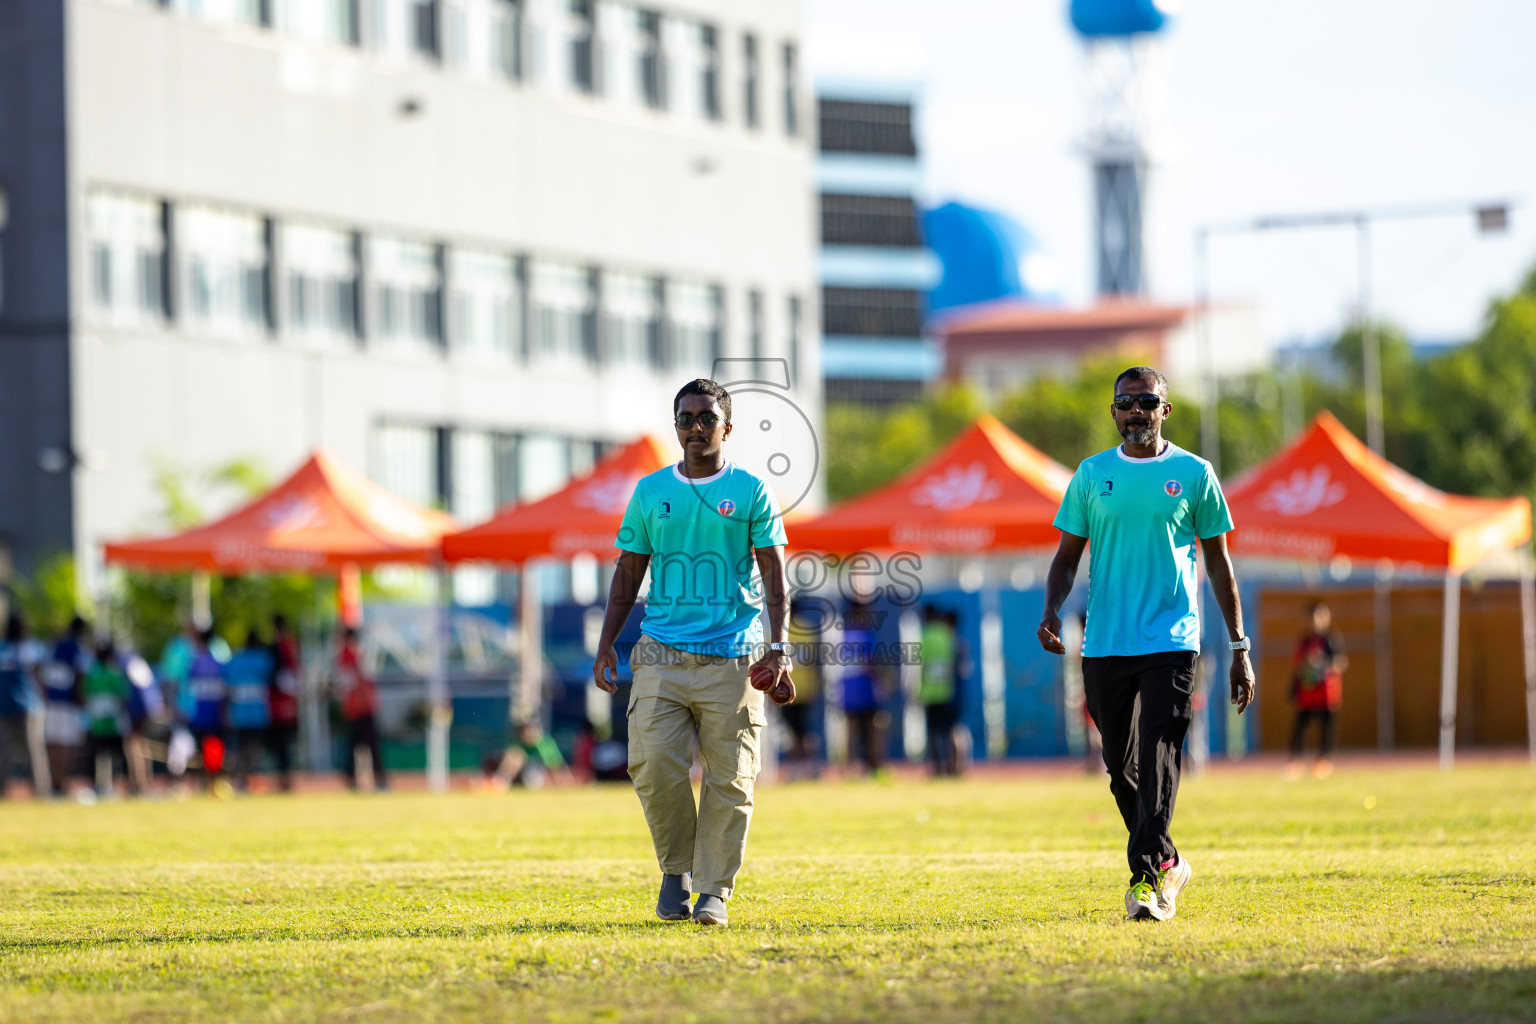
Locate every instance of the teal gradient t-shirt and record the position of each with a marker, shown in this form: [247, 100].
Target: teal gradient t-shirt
[1141, 518]
[700, 533]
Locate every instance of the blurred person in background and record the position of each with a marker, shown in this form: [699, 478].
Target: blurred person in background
[64, 703]
[938, 687]
[286, 669]
[533, 759]
[248, 675]
[359, 696]
[209, 720]
[146, 713]
[174, 668]
[805, 622]
[864, 688]
[21, 708]
[106, 707]
[1317, 689]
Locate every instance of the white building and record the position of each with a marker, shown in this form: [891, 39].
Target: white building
[464, 243]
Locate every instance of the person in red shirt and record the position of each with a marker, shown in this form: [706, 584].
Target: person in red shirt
[1317, 688]
[359, 706]
[284, 700]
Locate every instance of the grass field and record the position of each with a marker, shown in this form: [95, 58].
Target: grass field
[1384, 893]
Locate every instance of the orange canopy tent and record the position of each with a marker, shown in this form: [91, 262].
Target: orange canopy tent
[323, 517]
[987, 490]
[581, 518]
[1327, 495]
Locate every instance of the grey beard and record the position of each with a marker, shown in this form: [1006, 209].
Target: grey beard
[1138, 435]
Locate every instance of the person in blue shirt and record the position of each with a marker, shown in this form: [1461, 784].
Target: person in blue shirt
[248, 675]
[864, 687]
[1139, 509]
[210, 706]
[21, 708]
[704, 528]
[63, 677]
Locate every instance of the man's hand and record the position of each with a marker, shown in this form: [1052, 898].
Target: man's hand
[1242, 680]
[1049, 634]
[771, 674]
[605, 670]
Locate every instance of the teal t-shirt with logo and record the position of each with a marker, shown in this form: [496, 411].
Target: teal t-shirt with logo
[1141, 518]
[705, 595]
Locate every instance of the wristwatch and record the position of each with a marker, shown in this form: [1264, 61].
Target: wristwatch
[1240, 645]
[783, 647]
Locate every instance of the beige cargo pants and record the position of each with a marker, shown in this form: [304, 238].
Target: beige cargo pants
[677, 696]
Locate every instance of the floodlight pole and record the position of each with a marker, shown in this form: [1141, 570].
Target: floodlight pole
[1490, 216]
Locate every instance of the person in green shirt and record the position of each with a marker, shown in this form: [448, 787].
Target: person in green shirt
[936, 689]
[106, 709]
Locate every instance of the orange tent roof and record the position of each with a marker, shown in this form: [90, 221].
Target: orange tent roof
[1328, 494]
[988, 489]
[324, 516]
[581, 518]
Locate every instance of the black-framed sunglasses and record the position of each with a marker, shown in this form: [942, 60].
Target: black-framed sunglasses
[1146, 403]
[686, 420]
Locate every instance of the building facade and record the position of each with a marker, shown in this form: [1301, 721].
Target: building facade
[464, 243]
[875, 269]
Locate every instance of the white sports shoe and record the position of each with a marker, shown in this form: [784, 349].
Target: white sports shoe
[1141, 903]
[1171, 882]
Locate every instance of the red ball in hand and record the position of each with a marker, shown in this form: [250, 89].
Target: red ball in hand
[782, 693]
[762, 677]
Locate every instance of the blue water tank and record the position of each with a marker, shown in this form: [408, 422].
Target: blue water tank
[985, 256]
[1097, 19]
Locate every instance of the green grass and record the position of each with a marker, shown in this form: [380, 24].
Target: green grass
[986, 900]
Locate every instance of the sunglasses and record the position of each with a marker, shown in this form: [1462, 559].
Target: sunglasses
[686, 420]
[1146, 403]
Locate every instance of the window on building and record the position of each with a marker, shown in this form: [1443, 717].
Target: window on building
[709, 72]
[693, 326]
[791, 64]
[755, 323]
[872, 312]
[326, 21]
[126, 239]
[869, 220]
[653, 66]
[749, 83]
[319, 266]
[564, 310]
[878, 128]
[224, 269]
[484, 37]
[405, 281]
[472, 490]
[404, 459]
[632, 319]
[484, 303]
[405, 28]
[543, 465]
[796, 328]
[226, 12]
[583, 43]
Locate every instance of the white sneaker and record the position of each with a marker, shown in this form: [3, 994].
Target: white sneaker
[1141, 903]
[1171, 882]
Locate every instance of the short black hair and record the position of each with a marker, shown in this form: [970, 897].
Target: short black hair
[709, 389]
[1147, 375]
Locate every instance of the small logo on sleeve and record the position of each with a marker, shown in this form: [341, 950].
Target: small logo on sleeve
[726, 507]
[1174, 488]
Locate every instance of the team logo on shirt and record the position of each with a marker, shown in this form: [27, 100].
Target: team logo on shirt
[726, 507]
[1174, 488]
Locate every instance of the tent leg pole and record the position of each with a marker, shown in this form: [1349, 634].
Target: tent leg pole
[1528, 629]
[526, 707]
[440, 716]
[1448, 658]
[1386, 726]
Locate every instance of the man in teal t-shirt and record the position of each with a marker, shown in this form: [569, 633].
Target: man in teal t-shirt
[1138, 510]
[705, 529]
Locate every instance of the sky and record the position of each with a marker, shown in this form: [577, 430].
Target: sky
[1271, 107]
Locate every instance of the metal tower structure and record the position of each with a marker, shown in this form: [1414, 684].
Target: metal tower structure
[1125, 115]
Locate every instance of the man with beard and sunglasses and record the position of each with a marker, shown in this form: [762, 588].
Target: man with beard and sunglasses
[1139, 508]
[701, 527]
